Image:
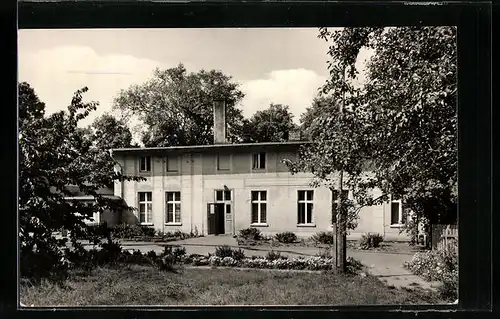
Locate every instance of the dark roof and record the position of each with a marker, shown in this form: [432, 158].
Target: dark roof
[76, 192]
[210, 147]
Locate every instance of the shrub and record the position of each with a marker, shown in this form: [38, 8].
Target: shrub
[250, 233]
[167, 263]
[272, 255]
[226, 251]
[370, 241]
[148, 231]
[126, 231]
[438, 265]
[435, 265]
[179, 252]
[238, 254]
[325, 238]
[353, 265]
[325, 253]
[223, 251]
[449, 287]
[286, 237]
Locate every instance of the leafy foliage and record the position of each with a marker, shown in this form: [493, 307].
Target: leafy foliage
[286, 237]
[275, 255]
[250, 233]
[226, 251]
[273, 124]
[54, 153]
[370, 240]
[325, 238]
[410, 93]
[176, 107]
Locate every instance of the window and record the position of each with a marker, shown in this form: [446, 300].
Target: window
[305, 207]
[223, 162]
[173, 207]
[145, 164]
[259, 161]
[259, 207]
[172, 164]
[398, 217]
[335, 203]
[223, 195]
[145, 207]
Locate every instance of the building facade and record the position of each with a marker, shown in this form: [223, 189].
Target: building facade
[223, 188]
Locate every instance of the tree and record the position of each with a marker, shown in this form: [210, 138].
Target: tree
[176, 107]
[273, 124]
[411, 91]
[321, 105]
[30, 107]
[411, 94]
[55, 153]
[110, 132]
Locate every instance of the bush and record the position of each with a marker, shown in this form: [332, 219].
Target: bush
[238, 254]
[272, 255]
[325, 238]
[435, 265]
[126, 231]
[438, 265]
[179, 252]
[353, 265]
[226, 251]
[286, 237]
[250, 234]
[370, 241]
[148, 231]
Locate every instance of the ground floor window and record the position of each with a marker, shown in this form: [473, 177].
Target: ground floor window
[173, 205]
[398, 216]
[145, 207]
[305, 207]
[259, 207]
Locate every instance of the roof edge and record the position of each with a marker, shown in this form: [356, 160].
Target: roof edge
[210, 146]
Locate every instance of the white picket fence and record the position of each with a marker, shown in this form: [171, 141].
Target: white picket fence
[443, 236]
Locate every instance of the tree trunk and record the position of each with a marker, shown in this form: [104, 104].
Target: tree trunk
[341, 229]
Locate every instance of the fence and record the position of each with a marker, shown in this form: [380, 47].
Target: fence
[443, 235]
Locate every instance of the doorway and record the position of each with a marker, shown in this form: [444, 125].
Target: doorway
[215, 217]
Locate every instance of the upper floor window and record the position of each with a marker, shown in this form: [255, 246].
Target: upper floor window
[305, 207]
[259, 207]
[145, 164]
[145, 207]
[259, 161]
[336, 202]
[398, 217]
[172, 164]
[223, 162]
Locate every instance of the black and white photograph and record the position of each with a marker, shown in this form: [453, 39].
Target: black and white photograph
[238, 166]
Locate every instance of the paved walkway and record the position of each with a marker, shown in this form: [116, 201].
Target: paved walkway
[387, 266]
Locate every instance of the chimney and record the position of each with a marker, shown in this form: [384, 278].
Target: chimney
[220, 126]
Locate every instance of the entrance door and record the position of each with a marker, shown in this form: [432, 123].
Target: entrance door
[215, 219]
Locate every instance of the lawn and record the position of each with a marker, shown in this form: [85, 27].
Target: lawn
[144, 285]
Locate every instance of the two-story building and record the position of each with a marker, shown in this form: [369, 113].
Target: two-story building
[223, 188]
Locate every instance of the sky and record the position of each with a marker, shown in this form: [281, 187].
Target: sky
[272, 65]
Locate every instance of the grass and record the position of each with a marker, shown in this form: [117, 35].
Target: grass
[143, 285]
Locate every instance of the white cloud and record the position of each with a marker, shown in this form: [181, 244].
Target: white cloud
[294, 87]
[57, 73]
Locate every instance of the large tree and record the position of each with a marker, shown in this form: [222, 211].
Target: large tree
[54, 152]
[402, 121]
[110, 132]
[273, 124]
[411, 94]
[176, 107]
